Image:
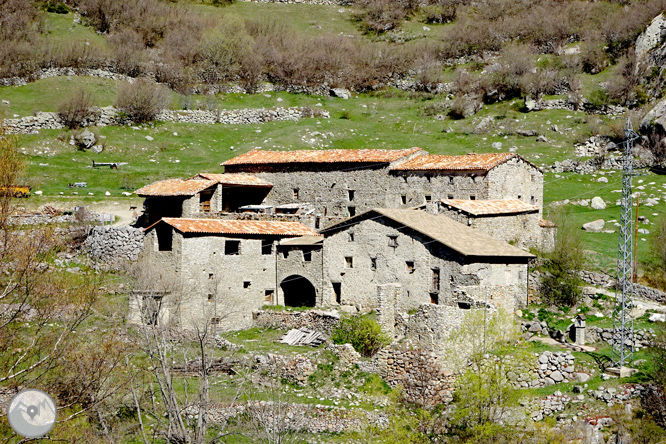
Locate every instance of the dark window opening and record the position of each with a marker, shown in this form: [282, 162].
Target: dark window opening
[164, 237]
[298, 292]
[211, 276]
[215, 321]
[472, 197]
[464, 305]
[349, 262]
[532, 200]
[403, 199]
[435, 279]
[317, 222]
[351, 236]
[350, 195]
[337, 290]
[232, 248]
[268, 296]
[266, 247]
[450, 196]
[410, 266]
[210, 296]
[434, 298]
[296, 193]
[204, 201]
[428, 198]
[285, 253]
[246, 284]
[450, 179]
[352, 211]
[307, 255]
[373, 263]
[393, 240]
[520, 196]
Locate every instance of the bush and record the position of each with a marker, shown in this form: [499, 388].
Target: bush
[56, 7]
[75, 108]
[142, 100]
[363, 333]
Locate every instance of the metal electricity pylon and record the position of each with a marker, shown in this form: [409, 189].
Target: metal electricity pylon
[623, 321]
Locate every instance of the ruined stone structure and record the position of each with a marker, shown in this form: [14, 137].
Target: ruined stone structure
[434, 258]
[222, 270]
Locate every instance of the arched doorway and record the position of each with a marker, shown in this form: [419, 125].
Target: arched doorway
[298, 292]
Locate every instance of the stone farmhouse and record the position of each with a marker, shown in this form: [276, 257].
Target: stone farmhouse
[326, 228]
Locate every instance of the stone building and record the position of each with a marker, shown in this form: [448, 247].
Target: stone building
[221, 270]
[510, 220]
[203, 194]
[494, 176]
[339, 183]
[434, 258]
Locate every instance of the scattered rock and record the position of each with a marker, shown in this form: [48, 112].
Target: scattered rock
[657, 317]
[86, 139]
[594, 226]
[341, 93]
[598, 203]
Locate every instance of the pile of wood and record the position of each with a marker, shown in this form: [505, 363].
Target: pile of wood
[303, 336]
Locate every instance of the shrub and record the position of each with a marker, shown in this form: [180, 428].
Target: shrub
[142, 100]
[381, 15]
[364, 334]
[56, 7]
[75, 109]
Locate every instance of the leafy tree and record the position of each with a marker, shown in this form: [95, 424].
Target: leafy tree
[363, 333]
[562, 284]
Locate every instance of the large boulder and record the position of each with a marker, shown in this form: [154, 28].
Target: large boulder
[655, 120]
[594, 226]
[86, 139]
[598, 203]
[653, 36]
[342, 93]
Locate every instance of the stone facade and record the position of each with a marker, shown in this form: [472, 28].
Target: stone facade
[362, 256]
[111, 245]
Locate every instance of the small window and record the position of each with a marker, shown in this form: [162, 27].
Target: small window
[351, 236]
[349, 262]
[464, 305]
[210, 296]
[428, 198]
[285, 253]
[317, 222]
[268, 296]
[307, 255]
[532, 200]
[373, 263]
[472, 197]
[435, 279]
[337, 290]
[410, 266]
[164, 237]
[296, 193]
[403, 199]
[266, 247]
[434, 298]
[350, 195]
[450, 196]
[215, 321]
[393, 240]
[520, 196]
[232, 248]
[246, 284]
[351, 211]
[450, 179]
[211, 276]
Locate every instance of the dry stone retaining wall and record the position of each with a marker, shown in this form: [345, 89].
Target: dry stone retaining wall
[319, 320]
[111, 245]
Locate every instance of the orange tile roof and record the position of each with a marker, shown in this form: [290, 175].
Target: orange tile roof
[259, 157]
[175, 187]
[468, 162]
[237, 227]
[490, 207]
[234, 179]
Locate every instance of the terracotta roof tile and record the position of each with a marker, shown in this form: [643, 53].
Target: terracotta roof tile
[468, 162]
[465, 240]
[490, 207]
[175, 187]
[237, 227]
[259, 157]
[234, 179]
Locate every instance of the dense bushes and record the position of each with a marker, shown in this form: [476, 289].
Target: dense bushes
[75, 108]
[362, 333]
[142, 100]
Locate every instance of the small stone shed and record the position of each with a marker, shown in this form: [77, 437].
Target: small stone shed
[435, 259]
[203, 194]
[224, 269]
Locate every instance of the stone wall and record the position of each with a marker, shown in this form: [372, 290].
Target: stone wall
[606, 281]
[109, 116]
[324, 321]
[549, 368]
[114, 245]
